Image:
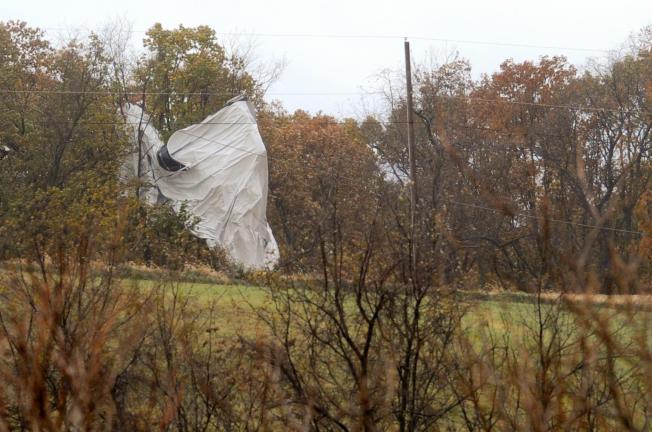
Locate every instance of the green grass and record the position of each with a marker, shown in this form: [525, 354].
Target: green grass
[235, 310]
[234, 306]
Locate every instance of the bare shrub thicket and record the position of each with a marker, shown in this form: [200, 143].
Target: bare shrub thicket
[367, 347]
[371, 346]
[545, 201]
[551, 205]
[82, 349]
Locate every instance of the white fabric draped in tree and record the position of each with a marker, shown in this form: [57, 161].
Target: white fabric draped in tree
[223, 181]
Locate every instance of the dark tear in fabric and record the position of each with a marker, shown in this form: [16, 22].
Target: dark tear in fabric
[166, 161]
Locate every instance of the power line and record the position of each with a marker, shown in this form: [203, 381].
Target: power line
[180, 94]
[513, 44]
[319, 122]
[463, 98]
[225, 145]
[492, 145]
[549, 219]
[470, 205]
[547, 105]
[353, 36]
[423, 38]
[453, 202]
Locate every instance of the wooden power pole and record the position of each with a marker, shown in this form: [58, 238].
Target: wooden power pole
[411, 155]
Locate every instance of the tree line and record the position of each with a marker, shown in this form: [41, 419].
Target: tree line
[535, 178]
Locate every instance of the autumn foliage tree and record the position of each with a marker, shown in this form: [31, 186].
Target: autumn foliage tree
[536, 178]
[533, 141]
[319, 167]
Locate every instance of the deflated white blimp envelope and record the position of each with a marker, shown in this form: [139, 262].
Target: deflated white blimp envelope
[218, 170]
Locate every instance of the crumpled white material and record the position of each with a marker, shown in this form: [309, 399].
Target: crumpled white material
[223, 184]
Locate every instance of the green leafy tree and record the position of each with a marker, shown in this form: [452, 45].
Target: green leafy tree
[187, 75]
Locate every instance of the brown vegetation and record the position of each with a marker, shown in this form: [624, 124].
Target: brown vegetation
[535, 179]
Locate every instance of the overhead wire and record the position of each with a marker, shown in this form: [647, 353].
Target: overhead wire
[550, 219]
[360, 36]
[179, 94]
[412, 37]
[506, 133]
[584, 108]
[463, 204]
[452, 202]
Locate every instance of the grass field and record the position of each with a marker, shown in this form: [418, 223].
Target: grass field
[504, 314]
[499, 334]
[236, 306]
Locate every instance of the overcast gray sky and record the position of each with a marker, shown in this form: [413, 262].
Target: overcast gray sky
[343, 67]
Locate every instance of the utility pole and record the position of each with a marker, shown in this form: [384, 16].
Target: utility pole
[411, 155]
